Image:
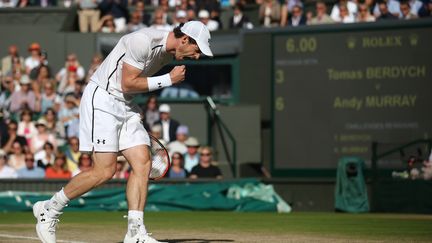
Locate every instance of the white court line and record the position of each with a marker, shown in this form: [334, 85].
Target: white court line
[35, 238]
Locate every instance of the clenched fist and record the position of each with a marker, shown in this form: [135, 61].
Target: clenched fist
[178, 74]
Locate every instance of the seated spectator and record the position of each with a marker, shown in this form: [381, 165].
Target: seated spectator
[145, 18]
[24, 98]
[121, 168]
[106, 24]
[72, 153]
[426, 9]
[8, 62]
[156, 131]
[180, 17]
[17, 157]
[49, 98]
[36, 73]
[59, 169]
[69, 115]
[72, 69]
[54, 126]
[177, 167]
[182, 90]
[415, 6]
[191, 14]
[384, 12]
[297, 17]
[33, 60]
[30, 170]
[392, 7]
[43, 76]
[204, 17]
[159, 22]
[405, 9]
[270, 13]
[8, 3]
[350, 6]
[88, 15]
[321, 15]
[26, 126]
[364, 14]
[178, 144]
[95, 63]
[169, 126]
[151, 110]
[344, 16]
[6, 172]
[119, 11]
[191, 157]
[6, 95]
[41, 137]
[46, 156]
[239, 20]
[135, 23]
[205, 169]
[85, 163]
[12, 136]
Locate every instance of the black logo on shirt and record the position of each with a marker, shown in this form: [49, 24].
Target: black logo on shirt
[99, 141]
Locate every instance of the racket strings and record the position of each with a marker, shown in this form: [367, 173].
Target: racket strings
[160, 160]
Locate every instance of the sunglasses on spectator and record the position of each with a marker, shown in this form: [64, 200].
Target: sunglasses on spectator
[205, 154]
[29, 159]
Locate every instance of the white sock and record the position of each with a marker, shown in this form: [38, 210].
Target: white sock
[56, 204]
[136, 222]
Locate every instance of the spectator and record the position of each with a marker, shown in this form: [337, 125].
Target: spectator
[121, 168]
[181, 90]
[270, 13]
[145, 18]
[59, 169]
[26, 126]
[180, 17]
[344, 15]
[88, 15]
[426, 9]
[12, 137]
[158, 21]
[406, 13]
[6, 172]
[3, 130]
[8, 62]
[239, 20]
[24, 98]
[415, 6]
[46, 156]
[71, 70]
[49, 98]
[151, 110]
[17, 157]
[85, 163]
[135, 23]
[392, 7]
[177, 167]
[95, 63]
[5, 95]
[181, 136]
[384, 12]
[43, 62]
[54, 126]
[364, 14]
[205, 169]
[191, 157]
[204, 17]
[43, 76]
[8, 3]
[119, 10]
[69, 115]
[73, 153]
[169, 126]
[106, 24]
[34, 59]
[41, 137]
[350, 6]
[288, 6]
[156, 131]
[297, 17]
[191, 15]
[30, 170]
[321, 15]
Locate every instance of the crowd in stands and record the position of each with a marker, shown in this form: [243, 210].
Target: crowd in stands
[39, 122]
[124, 16]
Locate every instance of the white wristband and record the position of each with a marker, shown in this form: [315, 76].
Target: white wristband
[158, 82]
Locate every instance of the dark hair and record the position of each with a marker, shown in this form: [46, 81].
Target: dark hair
[49, 145]
[239, 6]
[81, 158]
[181, 158]
[178, 33]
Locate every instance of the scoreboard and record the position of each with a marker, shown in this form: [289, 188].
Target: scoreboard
[337, 90]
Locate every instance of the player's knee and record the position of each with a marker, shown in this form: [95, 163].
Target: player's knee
[142, 168]
[108, 173]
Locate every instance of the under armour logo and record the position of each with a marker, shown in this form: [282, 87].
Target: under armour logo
[160, 85]
[42, 220]
[101, 141]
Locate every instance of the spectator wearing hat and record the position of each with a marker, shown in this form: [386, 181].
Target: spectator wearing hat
[30, 170]
[6, 172]
[11, 137]
[205, 168]
[180, 17]
[178, 144]
[204, 17]
[24, 98]
[59, 169]
[41, 137]
[191, 157]
[8, 62]
[156, 131]
[169, 126]
[33, 60]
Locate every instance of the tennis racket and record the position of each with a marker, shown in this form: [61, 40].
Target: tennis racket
[160, 159]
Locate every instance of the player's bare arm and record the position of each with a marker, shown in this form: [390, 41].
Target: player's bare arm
[133, 83]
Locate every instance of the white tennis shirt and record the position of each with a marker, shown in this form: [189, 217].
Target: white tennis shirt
[144, 49]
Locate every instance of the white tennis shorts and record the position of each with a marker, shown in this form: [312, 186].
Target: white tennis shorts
[108, 124]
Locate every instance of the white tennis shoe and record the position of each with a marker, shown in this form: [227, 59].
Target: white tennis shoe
[140, 238]
[46, 226]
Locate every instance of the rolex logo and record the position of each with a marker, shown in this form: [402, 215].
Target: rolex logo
[99, 141]
[351, 42]
[413, 39]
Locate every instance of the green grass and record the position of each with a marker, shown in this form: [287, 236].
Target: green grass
[358, 226]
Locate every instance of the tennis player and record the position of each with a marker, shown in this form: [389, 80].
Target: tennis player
[110, 123]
